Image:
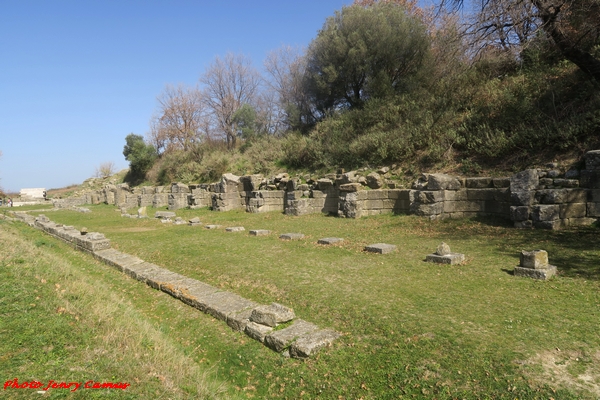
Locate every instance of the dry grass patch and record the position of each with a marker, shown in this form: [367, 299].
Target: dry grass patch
[572, 369]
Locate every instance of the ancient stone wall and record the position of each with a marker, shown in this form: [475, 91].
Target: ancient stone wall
[536, 198]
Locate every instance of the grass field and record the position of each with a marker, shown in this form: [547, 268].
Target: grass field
[410, 329]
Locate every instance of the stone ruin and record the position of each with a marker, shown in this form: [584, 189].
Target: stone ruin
[299, 339]
[443, 255]
[534, 264]
[535, 198]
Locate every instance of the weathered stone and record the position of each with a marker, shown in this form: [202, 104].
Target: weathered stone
[164, 214]
[443, 249]
[592, 159]
[566, 183]
[593, 209]
[478, 183]
[380, 248]
[524, 181]
[590, 179]
[450, 258]
[501, 182]
[309, 344]
[272, 315]
[541, 274]
[442, 182]
[528, 224]
[279, 340]
[545, 212]
[260, 232]
[519, 213]
[572, 174]
[554, 173]
[239, 320]
[211, 226]
[521, 198]
[573, 210]
[291, 236]
[374, 180]
[235, 229]
[142, 212]
[330, 240]
[179, 221]
[534, 259]
[195, 221]
[83, 231]
[257, 331]
[350, 187]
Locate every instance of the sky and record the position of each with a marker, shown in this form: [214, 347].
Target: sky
[76, 77]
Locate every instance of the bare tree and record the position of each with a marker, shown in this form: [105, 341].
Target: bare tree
[181, 119]
[229, 83]
[572, 25]
[286, 67]
[105, 169]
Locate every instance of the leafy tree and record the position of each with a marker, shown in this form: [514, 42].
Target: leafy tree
[141, 156]
[363, 53]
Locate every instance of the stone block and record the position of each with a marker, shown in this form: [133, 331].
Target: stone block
[524, 181]
[463, 206]
[456, 195]
[451, 258]
[222, 304]
[593, 196]
[380, 248]
[350, 187]
[235, 229]
[501, 182]
[427, 209]
[239, 320]
[519, 213]
[592, 159]
[523, 224]
[281, 339]
[579, 221]
[212, 226]
[541, 274]
[442, 182]
[590, 179]
[481, 194]
[593, 210]
[545, 212]
[310, 343]
[521, 198]
[478, 183]
[399, 194]
[164, 214]
[257, 331]
[374, 180]
[272, 315]
[330, 240]
[373, 204]
[259, 232]
[573, 210]
[534, 259]
[291, 236]
[566, 183]
[428, 197]
[324, 184]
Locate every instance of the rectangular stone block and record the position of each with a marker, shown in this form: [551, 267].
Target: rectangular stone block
[291, 236]
[590, 179]
[545, 212]
[309, 344]
[501, 182]
[452, 258]
[480, 194]
[380, 248]
[372, 204]
[456, 195]
[593, 210]
[534, 259]
[399, 194]
[521, 198]
[541, 274]
[463, 206]
[573, 210]
[281, 339]
[519, 213]
[593, 196]
[478, 183]
[427, 209]
[257, 331]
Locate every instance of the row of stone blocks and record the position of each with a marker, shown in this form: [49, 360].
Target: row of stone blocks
[300, 339]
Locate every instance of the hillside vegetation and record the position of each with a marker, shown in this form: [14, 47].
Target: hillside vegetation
[387, 82]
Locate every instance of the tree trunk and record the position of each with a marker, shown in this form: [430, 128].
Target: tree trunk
[584, 60]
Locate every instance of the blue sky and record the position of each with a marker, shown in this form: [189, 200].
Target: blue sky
[76, 77]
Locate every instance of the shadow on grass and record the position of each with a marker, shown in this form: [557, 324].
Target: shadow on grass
[575, 251]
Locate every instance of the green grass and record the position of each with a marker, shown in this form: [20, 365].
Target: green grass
[410, 329]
